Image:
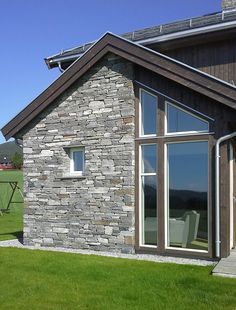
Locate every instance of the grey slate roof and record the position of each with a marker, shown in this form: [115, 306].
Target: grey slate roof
[156, 31]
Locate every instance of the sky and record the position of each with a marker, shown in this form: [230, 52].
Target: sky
[32, 30]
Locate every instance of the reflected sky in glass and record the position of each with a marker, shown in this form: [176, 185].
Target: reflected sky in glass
[188, 166]
[180, 121]
[148, 113]
[149, 153]
[188, 188]
[78, 160]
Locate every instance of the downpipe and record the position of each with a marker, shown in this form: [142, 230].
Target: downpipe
[217, 190]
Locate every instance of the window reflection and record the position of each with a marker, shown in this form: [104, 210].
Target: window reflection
[148, 158]
[149, 204]
[78, 160]
[148, 113]
[179, 120]
[149, 194]
[187, 194]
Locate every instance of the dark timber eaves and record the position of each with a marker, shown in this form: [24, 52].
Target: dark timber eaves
[149, 59]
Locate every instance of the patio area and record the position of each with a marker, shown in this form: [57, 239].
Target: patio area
[226, 266]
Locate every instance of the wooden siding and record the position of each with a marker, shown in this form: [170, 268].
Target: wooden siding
[215, 58]
[234, 194]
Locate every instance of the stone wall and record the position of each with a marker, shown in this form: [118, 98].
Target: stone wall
[97, 211]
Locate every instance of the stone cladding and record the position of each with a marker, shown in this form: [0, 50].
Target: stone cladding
[95, 211]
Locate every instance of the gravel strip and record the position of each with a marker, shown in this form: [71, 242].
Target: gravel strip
[145, 257]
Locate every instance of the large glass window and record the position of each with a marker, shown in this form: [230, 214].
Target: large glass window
[148, 194]
[180, 182]
[148, 113]
[179, 120]
[187, 193]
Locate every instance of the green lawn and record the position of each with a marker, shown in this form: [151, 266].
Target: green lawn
[49, 280]
[11, 223]
[32, 280]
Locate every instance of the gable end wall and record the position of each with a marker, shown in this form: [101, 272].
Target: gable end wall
[96, 212]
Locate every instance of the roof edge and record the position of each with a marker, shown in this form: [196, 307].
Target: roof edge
[138, 54]
[52, 61]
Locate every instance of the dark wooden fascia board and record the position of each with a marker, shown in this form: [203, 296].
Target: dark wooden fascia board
[137, 54]
[175, 70]
[196, 85]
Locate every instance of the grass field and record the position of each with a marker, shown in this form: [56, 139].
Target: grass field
[11, 223]
[41, 280]
[49, 280]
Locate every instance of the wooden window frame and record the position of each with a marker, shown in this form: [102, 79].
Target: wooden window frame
[166, 201]
[188, 111]
[140, 114]
[141, 174]
[161, 140]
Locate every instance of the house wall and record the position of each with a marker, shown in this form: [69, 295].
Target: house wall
[224, 123]
[97, 211]
[97, 112]
[215, 58]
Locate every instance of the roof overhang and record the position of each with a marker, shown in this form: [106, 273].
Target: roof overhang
[196, 28]
[163, 65]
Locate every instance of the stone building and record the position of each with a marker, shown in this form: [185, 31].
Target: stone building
[119, 152]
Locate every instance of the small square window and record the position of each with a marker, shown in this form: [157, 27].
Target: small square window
[77, 161]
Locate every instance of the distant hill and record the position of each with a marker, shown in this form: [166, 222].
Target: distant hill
[8, 149]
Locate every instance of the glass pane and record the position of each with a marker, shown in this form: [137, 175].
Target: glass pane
[78, 159]
[148, 113]
[148, 162]
[188, 191]
[181, 121]
[149, 210]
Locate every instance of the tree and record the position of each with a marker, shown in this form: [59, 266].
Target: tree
[17, 160]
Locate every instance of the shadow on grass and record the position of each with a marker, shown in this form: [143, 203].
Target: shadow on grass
[17, 234]
[7, 210]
